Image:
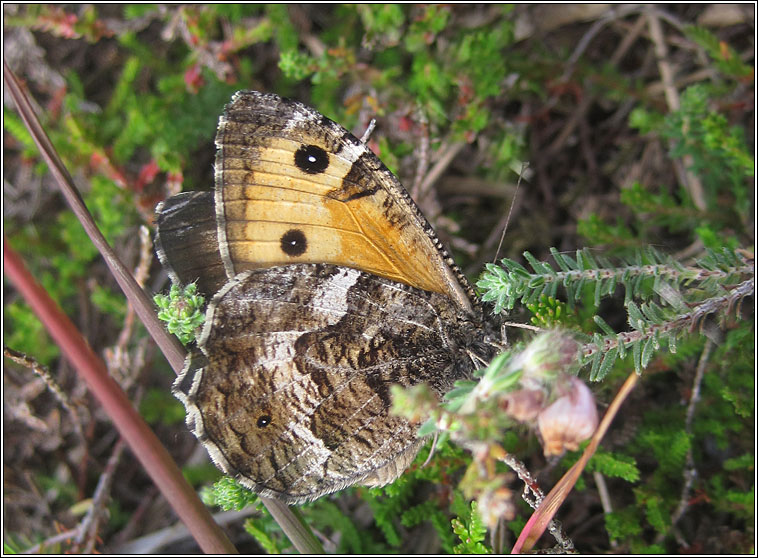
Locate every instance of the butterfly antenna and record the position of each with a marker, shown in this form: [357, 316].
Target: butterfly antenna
[369, 130]
[524, 166]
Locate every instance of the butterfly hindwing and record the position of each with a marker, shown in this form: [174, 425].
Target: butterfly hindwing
[293, 394]
[187, 241]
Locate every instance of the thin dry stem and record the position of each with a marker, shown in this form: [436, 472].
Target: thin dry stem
[445, 157]
[605, 498]
[688, 178]
[52, 384]
[422, 154]
[690, 472]
[48, 544]
[89, 526]
[536, 498]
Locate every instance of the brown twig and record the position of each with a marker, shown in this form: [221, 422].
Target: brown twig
[118, 357]
[52, 385]
[612, 14]
[578, 114]
[44, 546]
[162, 539]
[690, 473]
[605, 498]
[534, 501]
[690, 181]
[88, 527]
[422, 155]
[507, 217]
[445, 157]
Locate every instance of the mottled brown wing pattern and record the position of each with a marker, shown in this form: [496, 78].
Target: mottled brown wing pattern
[293, 393]
[330, 286]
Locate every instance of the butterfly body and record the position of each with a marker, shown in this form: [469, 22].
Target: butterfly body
[328, 287]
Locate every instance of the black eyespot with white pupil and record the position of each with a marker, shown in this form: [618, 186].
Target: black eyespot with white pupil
[311, 159]
[293, 243]
[263, 421]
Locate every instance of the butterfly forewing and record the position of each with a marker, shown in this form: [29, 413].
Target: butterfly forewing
[294, 187]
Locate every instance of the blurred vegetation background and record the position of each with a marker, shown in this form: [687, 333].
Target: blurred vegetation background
[628, 125]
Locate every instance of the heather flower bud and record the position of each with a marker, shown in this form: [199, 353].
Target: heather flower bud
[546, 357]
[523, 405]
[569, 420]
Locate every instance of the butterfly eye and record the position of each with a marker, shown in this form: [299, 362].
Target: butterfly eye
[263, 421]
[311, 159]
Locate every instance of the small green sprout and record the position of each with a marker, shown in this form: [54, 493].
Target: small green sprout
[182, 311]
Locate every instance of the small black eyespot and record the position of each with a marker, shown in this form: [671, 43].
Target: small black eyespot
[263, 421]
[311, 159]
[294, 243]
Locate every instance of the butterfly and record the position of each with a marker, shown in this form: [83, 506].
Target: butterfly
[327, 286]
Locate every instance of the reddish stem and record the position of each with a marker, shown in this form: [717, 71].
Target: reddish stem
[142, 441]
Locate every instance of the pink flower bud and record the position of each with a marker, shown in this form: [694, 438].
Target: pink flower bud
[523, 405]
[571, 419]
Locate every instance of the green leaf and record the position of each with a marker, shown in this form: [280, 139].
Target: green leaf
[614, 465]
[268, 544]
[471, 530]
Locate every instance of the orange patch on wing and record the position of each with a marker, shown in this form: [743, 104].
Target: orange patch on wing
[266, 196]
